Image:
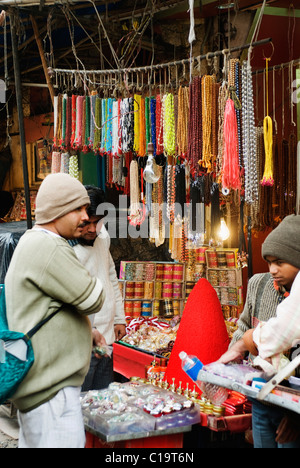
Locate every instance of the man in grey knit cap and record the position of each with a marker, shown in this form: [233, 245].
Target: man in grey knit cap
[265, 292]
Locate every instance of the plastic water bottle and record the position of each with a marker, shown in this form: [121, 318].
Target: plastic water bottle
[192, 366]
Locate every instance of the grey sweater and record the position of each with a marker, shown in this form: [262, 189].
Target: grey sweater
[261, 303]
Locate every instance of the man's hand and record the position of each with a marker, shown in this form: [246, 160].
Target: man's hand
[98, 340]
[235, 353]
[120, 331]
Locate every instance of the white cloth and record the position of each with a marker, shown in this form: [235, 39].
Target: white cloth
[55, 424]
[98, 261]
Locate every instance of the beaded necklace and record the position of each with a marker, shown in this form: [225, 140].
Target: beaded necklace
[83, 125]
[79, 121]
[147, 123]
[109, 124]
[248, 136]
[183, 121]
[153, 123]
[142, 129]
[73, 166]
[221, 111]
[157, 227]
[103, 126]
[115, 127]
[68, 122]
[169, 126]
[57, 135]
[92, 123]
[97, 122]
[137, 106]
[207, 82]
[127, 124]
[170, 192]
[137, 209]
[64, 120]
[214, 118]
[195, 125]
[159, 125]
[73, 116]
[87, 123]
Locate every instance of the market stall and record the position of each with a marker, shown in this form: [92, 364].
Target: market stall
[202, 146]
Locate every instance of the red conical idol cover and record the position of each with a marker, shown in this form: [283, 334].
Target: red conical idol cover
[202, 332]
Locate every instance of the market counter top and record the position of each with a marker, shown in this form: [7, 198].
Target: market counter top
[168, 438]
[129, 361]
[281, 396]
[135, 414]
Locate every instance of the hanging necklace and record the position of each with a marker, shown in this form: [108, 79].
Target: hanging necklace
[159, 125]
[207, 83]
[195, 125]
[248, 136]
[182, 122]
[169, 126]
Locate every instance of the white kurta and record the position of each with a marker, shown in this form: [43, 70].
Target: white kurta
[98, 261]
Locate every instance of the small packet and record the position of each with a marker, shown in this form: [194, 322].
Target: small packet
[103, 350]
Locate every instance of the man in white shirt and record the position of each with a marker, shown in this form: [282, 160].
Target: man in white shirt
[93, 251]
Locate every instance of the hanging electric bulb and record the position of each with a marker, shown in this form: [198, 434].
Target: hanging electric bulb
[224, 231]
[151, 173]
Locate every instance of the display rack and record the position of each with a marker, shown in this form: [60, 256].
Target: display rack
[225, 275]
[152, 289]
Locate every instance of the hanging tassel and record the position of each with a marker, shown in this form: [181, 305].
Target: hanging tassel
[231, 171]
[79, 121]
[73, 167]
[73, 120]
[136, 107]
[109, 126]
[92, 123]
[268, 179]
[115, 128]
[64, 164]
[55, 164]
[64, 120]
[97, 123]
[87, 132]
[142, 129]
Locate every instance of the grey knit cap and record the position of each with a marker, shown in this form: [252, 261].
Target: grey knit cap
[284, 241]
[58, 195]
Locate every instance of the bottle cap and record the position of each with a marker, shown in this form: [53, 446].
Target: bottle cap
[182, 355]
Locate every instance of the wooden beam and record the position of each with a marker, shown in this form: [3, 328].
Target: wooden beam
[20, 117]
[43, 60]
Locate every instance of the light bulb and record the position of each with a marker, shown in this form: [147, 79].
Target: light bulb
[224, 231]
